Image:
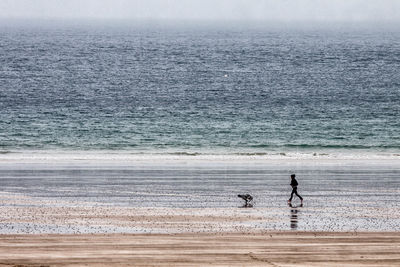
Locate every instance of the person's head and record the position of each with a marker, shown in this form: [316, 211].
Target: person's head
[292, 176]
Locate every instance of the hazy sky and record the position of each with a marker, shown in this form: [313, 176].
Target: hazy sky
[280, 10]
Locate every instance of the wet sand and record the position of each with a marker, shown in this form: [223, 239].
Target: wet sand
[268, 249]
[53, 216]
[39, 232]
[22, 214]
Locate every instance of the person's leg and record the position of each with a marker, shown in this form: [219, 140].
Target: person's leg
[291, 195]
[297, 194]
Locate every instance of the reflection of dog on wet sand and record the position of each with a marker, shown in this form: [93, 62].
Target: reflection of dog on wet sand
[248, 200]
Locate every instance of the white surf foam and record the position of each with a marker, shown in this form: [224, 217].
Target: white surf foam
[129, 158]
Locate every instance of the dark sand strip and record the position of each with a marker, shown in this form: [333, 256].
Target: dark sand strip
[269, 249]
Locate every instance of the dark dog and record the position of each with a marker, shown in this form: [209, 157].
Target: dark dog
[248, 198]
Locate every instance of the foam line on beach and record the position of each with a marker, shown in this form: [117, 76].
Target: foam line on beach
[127, 157]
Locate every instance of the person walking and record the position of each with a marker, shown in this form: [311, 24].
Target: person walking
[294, 185]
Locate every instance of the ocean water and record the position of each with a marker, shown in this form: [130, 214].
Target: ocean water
[199, 90]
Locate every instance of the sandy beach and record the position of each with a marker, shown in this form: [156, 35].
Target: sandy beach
[59, 233]
[189, 215]
[268, 249]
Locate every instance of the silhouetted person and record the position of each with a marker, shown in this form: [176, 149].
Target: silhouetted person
[294, 185]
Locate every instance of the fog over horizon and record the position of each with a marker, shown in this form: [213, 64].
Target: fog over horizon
[373, 11]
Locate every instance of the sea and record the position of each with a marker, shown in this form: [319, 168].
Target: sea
[196, 105]
[199, 90]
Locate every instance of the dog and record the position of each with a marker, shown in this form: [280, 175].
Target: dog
[248, 200]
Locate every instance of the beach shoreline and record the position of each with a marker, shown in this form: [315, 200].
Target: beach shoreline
[125, 159]
[194, 194]
[182, 210]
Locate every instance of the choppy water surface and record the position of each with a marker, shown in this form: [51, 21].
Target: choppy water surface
[178, 89]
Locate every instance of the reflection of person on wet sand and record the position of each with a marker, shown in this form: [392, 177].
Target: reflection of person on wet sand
[294, 216]
[294, 185]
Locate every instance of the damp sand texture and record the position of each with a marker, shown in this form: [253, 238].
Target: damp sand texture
[269, 249]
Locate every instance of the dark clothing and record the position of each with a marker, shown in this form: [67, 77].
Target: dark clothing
[294, 191]
[294, 185]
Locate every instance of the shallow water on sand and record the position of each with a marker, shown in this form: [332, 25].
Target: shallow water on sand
[338, 196]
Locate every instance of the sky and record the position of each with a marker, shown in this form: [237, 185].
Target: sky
[238, 10]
